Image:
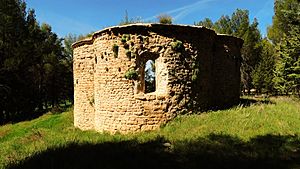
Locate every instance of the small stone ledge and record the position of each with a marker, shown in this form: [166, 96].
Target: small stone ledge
[150, 96]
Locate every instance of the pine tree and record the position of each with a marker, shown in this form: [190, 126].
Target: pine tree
[32, 64]
[286, 23]
[206, 23]
[263, 73]
[288, 68]
[223, 25]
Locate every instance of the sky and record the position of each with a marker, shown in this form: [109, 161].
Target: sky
[86, 16]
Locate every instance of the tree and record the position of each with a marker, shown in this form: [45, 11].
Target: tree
[284, 33]
[223, 25]
[263, 73]
[251, 53]
[14, 86]
[68, 41]
[286, 16]
[32, 64]
[240, 22]
[288, 67]
[206, 23]
[68, 63]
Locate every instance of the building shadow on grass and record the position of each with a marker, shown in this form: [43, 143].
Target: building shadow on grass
[243, 102]
[212, 152]
[248, 102]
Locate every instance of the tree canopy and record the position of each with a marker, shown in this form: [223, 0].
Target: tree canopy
[35, 68]
[285, 35]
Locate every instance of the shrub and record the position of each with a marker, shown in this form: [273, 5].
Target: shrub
[128, 54]
[165, 19]
[125, 38]
[177, 45]
[131, 74]
[115, 49]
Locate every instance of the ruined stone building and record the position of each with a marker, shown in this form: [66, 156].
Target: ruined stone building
[195, 69]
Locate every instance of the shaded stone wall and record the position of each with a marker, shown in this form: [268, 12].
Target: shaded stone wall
[186, 76]
[227, 62]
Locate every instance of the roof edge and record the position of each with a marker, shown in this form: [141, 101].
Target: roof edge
[91, 39]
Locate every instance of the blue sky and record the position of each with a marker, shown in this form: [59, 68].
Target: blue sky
[85, 16]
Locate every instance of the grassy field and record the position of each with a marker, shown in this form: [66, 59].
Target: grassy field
[263, 134]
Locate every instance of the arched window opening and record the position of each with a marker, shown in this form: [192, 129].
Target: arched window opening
[150, 76]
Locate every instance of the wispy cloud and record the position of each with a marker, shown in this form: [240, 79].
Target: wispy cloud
[63, 25]
[264, 16]
[181, 12]
[264, 11]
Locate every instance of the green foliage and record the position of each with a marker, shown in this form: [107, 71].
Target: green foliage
[68, 41]
[164, 19]
[240, 23]
[177, 45]
[263, 73]
[35, 68]
[288, 68]
[284, 33]
[286, 17]
[131, 74]
[223, 25]
[251, 54]
[115, 49]
[128, 54]
[195, 75]
[125, 38]
[206, 23]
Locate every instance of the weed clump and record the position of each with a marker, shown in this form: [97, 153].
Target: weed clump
[128, 54]
[177, 45]
[125, 38]
[131, 74]
[115, 49]
[165, 19]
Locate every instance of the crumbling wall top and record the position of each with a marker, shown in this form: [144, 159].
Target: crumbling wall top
[142, 27]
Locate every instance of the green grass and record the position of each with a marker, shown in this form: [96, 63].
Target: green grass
[261, 135]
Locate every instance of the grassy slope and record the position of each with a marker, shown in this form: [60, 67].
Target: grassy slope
[258, 136]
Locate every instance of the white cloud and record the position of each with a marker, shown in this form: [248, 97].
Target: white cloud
[181, 12]
[264, 16]
[63, 25]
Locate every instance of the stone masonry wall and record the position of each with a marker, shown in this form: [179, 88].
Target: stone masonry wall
[84, 86]
[187, 76]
